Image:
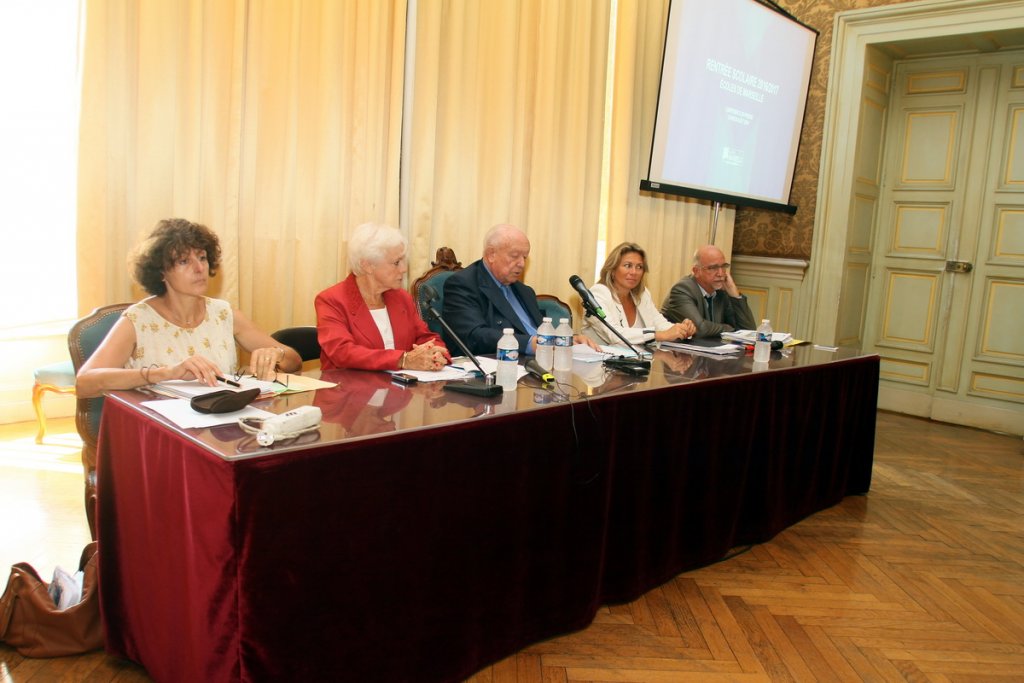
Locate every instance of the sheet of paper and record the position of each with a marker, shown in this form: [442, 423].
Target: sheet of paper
[447, 372]
[585, 354]
[621, 350]
[300, 383]
[490, 366]
[178, 411]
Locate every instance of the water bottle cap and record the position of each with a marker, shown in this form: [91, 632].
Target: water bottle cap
[563, 320]
[764, 320]
[546, 320]
[507, 330]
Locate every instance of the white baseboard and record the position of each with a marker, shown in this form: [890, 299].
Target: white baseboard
[943, 409]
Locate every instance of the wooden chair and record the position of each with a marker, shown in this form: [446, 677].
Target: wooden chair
[302, 338]
[83, 340]
[56, 377]
[443, 266]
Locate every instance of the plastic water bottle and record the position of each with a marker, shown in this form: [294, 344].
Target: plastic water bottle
[546, 344]
[563, 346]
[763, 343]
[508, 360]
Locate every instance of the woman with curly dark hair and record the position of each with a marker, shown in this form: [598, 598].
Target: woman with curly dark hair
[178, 332]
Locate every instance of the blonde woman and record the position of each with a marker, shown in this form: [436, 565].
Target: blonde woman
[622, 293]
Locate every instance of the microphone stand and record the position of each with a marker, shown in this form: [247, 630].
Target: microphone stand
[475, 387]
[640, 366]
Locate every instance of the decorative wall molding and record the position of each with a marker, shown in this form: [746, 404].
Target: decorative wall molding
[770, 267]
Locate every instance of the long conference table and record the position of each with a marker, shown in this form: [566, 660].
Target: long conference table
[421, 534]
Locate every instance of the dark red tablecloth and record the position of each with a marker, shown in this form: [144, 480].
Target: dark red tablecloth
[426, 554]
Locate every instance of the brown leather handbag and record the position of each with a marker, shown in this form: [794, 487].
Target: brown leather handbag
[31, 623]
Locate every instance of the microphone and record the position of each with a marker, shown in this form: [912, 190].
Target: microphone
[429, 295]
[588, 299]
[535, 369]
[485, 387]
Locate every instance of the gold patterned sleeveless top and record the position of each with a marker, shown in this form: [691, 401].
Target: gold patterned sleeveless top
[159, 341]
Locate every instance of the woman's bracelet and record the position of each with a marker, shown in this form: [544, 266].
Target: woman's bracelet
[401, 360]
[145, 373]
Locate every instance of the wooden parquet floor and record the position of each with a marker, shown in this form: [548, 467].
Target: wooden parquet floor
[920, 580]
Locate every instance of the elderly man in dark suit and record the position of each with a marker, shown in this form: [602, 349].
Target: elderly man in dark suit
[487, 296]
[709, 297]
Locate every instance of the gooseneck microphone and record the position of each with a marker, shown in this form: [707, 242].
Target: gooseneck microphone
[589, 301]
[485, 387]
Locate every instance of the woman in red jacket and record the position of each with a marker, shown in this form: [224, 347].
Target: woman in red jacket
[367, 321]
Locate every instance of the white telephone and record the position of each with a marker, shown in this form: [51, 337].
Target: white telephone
[284, 426]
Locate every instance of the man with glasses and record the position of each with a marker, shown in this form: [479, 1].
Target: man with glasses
[709, 297]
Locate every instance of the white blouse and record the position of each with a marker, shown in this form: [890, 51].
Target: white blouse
[648, 317]
[383, 320]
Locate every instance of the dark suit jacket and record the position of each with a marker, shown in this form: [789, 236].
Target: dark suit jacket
[349, 338]
[685, 300]
[477, 311]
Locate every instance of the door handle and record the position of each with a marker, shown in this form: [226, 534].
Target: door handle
[959, 266]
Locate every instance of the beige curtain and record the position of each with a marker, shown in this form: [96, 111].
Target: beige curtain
[506, 121]
[279, 125]
[668, 228]
[275, 123]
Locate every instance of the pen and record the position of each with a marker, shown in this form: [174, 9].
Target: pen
[228, 381]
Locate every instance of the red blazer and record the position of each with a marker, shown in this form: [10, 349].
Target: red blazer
[350, 339]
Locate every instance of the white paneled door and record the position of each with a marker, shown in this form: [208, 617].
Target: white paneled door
[946, 297]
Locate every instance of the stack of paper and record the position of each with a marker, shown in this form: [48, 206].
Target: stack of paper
[181, 388]
[711, 347]
[750, 336]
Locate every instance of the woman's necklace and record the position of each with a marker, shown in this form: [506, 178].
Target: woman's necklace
[187, 321]
[628, 305]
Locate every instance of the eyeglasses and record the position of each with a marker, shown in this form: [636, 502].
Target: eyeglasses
[724, 267]
[242, 373]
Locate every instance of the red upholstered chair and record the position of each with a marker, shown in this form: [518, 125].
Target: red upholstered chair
[83, 339]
